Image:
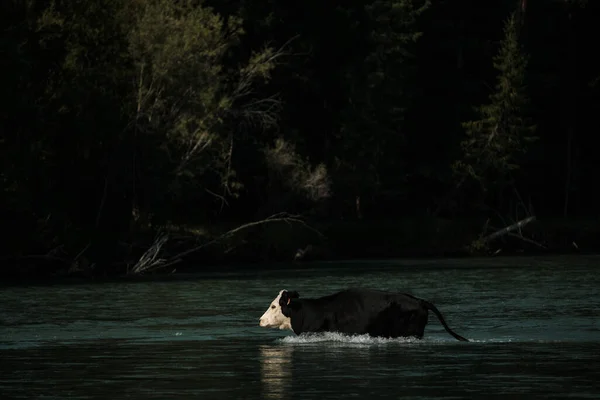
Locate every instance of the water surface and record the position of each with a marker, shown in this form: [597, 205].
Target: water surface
[533, 323]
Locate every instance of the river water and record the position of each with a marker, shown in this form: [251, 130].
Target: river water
[533, 324]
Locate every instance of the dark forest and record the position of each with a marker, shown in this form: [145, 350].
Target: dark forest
[155, 135]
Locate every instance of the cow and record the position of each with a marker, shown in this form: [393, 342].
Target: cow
[354, 312]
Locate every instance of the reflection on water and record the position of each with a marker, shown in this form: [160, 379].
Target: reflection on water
[276, 370]
[534, 331]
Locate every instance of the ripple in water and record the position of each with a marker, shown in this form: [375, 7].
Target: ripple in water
[534, 332]
[339, 338]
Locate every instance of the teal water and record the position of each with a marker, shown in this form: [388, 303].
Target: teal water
[533, 322]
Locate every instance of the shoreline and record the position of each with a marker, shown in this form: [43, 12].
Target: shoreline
[228, 271]
[341, 242]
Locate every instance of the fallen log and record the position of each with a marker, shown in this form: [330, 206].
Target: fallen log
[509, 229]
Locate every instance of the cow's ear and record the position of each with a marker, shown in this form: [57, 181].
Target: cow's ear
[287, 296]
[284, 302]
[284, 299]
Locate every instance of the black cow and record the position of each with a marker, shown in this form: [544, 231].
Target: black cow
[353, 311]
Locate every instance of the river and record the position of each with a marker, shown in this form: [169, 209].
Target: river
[533, 324]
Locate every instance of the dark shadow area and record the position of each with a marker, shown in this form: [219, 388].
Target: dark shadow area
[157, 137]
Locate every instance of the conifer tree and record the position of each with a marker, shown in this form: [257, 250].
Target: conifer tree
[502, 132]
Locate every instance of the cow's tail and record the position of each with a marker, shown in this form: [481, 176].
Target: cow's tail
[441, 318]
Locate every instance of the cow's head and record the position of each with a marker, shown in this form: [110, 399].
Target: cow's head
[278, 313]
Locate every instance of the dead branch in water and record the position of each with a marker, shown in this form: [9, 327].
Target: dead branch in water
[507, 230]
[150, 260]
[526, 239]
[510, 231]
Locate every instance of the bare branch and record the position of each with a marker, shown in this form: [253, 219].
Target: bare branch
[507, 229]
[527, 240]
[222, 198]
[150, 259]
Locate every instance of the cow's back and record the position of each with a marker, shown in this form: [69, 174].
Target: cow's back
[395, 314]
[360, 311]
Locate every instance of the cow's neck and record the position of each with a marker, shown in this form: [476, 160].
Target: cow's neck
[297, 319]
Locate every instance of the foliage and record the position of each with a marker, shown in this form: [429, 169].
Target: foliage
[120, 120]
[184, 101]
[378, 88]
[495, 141]
[297, 174]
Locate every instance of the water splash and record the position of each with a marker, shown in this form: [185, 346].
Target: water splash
[335, 339]
[340, 338]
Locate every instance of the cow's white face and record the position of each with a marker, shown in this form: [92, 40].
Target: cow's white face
[274, 318]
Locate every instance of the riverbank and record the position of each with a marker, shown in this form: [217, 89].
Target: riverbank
[198, 249]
